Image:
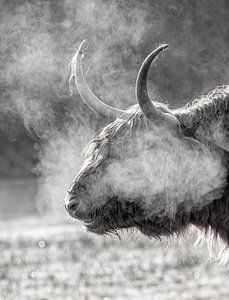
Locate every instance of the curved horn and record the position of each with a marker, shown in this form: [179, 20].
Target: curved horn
[147, 106]
[92, 101]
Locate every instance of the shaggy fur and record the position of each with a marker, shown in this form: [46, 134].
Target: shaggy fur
[115, 214]
[205, 109]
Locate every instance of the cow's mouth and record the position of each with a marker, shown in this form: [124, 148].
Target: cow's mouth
[95, 227]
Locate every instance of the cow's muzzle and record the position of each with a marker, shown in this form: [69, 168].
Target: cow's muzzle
[71, 204]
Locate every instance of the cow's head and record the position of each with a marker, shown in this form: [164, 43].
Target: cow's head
[134, 169]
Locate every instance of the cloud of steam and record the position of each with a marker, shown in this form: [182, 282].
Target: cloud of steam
[38, 39]
[59, 161]
[169, 172]
[156, 170]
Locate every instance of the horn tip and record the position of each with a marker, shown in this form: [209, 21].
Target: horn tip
[83, 47]
[164, 46]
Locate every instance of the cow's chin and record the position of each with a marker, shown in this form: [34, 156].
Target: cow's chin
[107, 227]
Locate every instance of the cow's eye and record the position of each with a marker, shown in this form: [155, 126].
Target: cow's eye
[113, 154]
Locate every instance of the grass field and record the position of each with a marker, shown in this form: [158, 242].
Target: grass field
[43, 257]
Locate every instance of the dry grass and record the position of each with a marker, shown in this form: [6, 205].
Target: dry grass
[44, 259]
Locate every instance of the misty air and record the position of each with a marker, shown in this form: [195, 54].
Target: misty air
[114, 156]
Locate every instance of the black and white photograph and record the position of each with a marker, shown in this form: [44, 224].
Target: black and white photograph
[114, 150]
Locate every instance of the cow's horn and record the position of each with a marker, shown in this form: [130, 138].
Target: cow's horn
[147, 106]
[85, 92]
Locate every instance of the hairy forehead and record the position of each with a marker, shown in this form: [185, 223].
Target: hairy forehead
[126, 125]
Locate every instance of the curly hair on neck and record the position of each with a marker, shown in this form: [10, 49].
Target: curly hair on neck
[205, 108]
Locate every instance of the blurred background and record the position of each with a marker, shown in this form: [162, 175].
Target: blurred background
[43, 129]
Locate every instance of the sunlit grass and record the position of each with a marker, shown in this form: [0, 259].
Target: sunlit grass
[65, 262]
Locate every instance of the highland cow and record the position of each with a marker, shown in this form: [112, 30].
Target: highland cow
[153, 168]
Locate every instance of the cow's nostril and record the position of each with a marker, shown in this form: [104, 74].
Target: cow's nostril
[72, 206]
